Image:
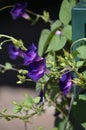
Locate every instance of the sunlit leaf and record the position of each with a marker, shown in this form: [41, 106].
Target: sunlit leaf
[41, 44]
[56, 43]
[81, 52]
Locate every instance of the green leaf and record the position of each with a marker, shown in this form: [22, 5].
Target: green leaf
[79, 109]
[56, 43]
[67, 32]
[22, 71]
[81, 52]
[63, 123]
[19, 44]
[29, 101]
[8, 66]
[50, 58]
[56, 24]
[79, 63]
[44, 35]
[42, 82]
[73, 3]
[84, 74]
[17, 109]
[36, 100]
[65, 11]
[4, 110]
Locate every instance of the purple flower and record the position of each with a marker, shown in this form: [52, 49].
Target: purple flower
[65, 82]
[37, 69]
[19, 10]
[30, 54]
[14, 52]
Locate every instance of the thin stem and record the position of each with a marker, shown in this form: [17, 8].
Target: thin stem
[25, 125]
[6, 36]
[38, 15]
[5, 7]
[10, 117]
[79, 40]
[28, 11]
[71, 103]
[3, 66]
[19, 43]
[35, 14]
[57, 107]
[4, 42]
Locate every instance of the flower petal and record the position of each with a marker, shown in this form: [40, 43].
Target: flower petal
[18, 10]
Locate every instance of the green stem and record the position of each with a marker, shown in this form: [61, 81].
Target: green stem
[10, 117]
[19, 43]
[6, 36]
[37, 15]
[57, 107]
[34, 14]
[3, 66]
[79, 40]
[25, 123]
[5, 7]
[4, 42]
[71, 103]
[28, 11]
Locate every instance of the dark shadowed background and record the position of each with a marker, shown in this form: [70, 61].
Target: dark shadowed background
[22, 29]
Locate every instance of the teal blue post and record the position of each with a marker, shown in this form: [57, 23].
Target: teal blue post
[78, 24]
[79, 20]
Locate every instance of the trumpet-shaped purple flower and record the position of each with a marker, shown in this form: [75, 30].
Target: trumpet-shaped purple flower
[19, 11]
[37, 69]
[65, 82]
[14, 52]
[30, 54]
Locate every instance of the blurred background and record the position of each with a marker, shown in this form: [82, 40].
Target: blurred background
[22, 29]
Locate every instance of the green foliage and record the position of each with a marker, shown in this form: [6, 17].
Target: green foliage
[81, 52]
[56, 24]
[19, 44]
[8, 66]
[62, 124]
[21, 79]
[67, 32]
[79, 63]
[56, 43]
[23, 72]
[55, 49]
[84, 74]
[46, 16]
[17, 109]
[79, 109]
[43, 37]
[65, 11]
[42, 82]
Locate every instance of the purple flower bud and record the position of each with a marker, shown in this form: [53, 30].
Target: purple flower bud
[30, 54]
[18, 10]
[14, 52]
[65, 82]
[25, 16]
[58, 32]
[37, 69]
